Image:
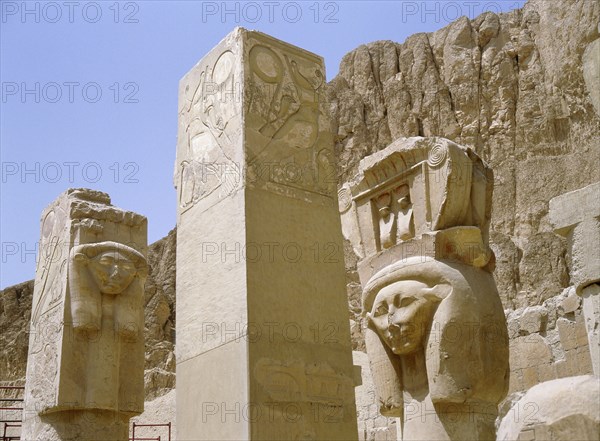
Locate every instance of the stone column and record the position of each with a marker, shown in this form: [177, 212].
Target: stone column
[263, 340]
[576, 216]
[85, 368]
[418, 213]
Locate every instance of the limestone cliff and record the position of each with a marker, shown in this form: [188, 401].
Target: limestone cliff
[512, 87]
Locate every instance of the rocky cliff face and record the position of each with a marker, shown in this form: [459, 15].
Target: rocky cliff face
[15, 313]
[520, 88]
[160, 317]
[510, 86]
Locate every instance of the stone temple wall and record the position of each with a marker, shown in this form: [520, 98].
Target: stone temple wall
[548, 341]
[515, 87]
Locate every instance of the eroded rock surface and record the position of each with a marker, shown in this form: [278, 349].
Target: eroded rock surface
[516, 88]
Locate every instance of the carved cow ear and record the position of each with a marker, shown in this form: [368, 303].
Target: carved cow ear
[438, 292]
[142, 271]
[81, 258]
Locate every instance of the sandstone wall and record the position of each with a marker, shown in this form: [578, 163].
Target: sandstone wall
[547, 341]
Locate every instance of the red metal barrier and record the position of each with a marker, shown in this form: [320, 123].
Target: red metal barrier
[6, 437]
[134, 425]
[11, 423]
[17, 423]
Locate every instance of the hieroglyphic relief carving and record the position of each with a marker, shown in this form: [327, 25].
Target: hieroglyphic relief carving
[106, 269]
[106, 289]
[282, 140]
[438, 345]
[287, 135]
[51, 253]
[344, 199]
[395, 216]
[416, 186]
[286, 103]
[315, 383]
[209, 105]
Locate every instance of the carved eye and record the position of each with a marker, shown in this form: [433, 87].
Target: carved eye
[126, 266]
[405, 301]
[106, 261]
[382, 309]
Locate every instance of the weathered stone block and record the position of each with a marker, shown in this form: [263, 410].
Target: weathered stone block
[262, 316]
[576, 215]
[532, 319]
[528, 351]
[85, 369]
[530, 376]
[567, 332]
[546, 372]
[561, 409]
[570, 304]
[591, 314]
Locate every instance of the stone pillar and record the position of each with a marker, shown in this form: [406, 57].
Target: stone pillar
[85, 368]
[418, 213]
[576, 216]
[263, 340]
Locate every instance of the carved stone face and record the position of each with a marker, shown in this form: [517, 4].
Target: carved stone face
[112, 272]
[401, 314]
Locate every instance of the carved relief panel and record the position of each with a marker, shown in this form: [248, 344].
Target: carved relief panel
[436, 333]
[209, 126]
[288, 142]
[283, 128]
[416, 186]
[86, 342]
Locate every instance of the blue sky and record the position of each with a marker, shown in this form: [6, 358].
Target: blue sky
[89, 92]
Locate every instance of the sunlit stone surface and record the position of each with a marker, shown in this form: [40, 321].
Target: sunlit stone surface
[263, 342]
[418, 212]
[85, 369]
[576, 216]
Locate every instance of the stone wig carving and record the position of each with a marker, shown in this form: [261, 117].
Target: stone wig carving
[436, 334]
[107, 269]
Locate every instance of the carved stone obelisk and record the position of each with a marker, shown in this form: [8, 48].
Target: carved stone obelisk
[85, 368]
[263, 340]
[418, 213]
